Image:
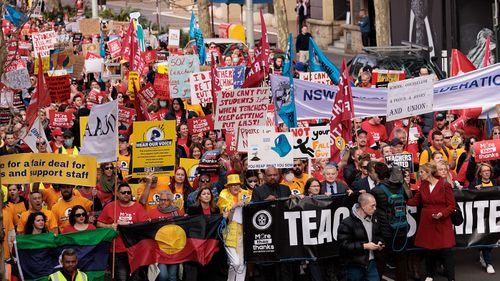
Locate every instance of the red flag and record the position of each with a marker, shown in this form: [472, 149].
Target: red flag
[131, 51]
[260, 66]
[342, 113]
[214, 81]
[487, 52]
[40, 98]
[137, 105]
[460, 63]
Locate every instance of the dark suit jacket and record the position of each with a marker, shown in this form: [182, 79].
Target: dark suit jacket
[361, 184]
[262, 192]
[341, 187]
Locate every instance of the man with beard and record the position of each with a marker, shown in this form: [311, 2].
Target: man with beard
[63, 207]
[271, 190]
[69, 271]
[440, 124]
[376, 130]
[361, 139]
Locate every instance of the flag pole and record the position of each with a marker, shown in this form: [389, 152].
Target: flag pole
[113, 260]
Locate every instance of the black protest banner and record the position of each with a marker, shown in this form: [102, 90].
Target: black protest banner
[404, 160]
[307, 228]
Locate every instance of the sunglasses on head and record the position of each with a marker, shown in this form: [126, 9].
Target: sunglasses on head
[80, 215]
[126, 192]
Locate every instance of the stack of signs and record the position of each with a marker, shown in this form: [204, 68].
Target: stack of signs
[241, 108]
[311, 142]
[273, 149]
[318, 77]
[403, 160]
[179, 71]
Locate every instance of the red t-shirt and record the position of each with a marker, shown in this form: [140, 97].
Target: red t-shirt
[373, 153]
[206, 211]
[375, 132]
[69, 228]
[132, 214]
[412, 145]
[156, 214]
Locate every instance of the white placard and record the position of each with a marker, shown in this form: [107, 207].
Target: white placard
[43, 42]
[94, 65]
[273, 149]
[244, 132]
[174, 37]
[318, 77]
[201, 87]
[311, 142]
[410, 97]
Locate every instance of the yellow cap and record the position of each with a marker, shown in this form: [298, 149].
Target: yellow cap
[233, 179]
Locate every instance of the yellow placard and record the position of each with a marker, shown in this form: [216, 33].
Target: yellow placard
[46, 64]
[133, 82]
[455, 141]
[83, 124]
[153, 149]
[162, 69]
[190, 165]
[48, 167]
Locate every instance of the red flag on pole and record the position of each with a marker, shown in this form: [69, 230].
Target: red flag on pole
[460, 63]
[214, 81]
[260, 66]
[342, 113]
[487, 51]
[40, 98]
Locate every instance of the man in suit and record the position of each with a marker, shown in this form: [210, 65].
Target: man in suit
[332, 185]
[367, 183]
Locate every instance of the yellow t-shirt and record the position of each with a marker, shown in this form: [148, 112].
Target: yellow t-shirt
[195, 108]
[227, 200]
[62, 209]
[51, 220]
[295, 187]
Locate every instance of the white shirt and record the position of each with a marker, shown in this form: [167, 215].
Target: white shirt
[431, 187]
[371, 183]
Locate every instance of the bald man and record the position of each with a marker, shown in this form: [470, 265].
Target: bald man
[272, 189]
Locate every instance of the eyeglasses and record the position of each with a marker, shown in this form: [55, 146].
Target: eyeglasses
[126, 192]
[255, 181]
[448, 137]
[80, 215]
[108, 168]
[205, 181]
[364, 167]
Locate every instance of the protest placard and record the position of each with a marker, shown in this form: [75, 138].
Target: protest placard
[410, 97]
[497, 108]
[200, 124]
[317, 77]
[487, 150]
[238, 76]
[48, 167]
[133, 83]
[179, 70]
[174, 37]
[190, 165]
[231, 143]
[382, 77]
[201, 87]
[43, 42]
[59, 88]
[114, 47]
[126, 115]
[62, 60]
[161, 86]
[403, 160]
[77, 39]
[60, 119]
[273, 149]
[93, 65]
[154, 148]
[6, 96]
[92, 48]
[311, 142]
[242, 133]
[241, 108]
[162, 67]
[78, 67]
[112, 70]
[150, 56]
[45, 64]
[226, 78]
[17, 79]
[148, 94]
[90, 26]
[84, 120]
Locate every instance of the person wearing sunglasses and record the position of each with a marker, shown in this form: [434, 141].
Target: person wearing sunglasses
[128, 212]
[107, 181]
[41, 145]
[68, 201]
[78, 220]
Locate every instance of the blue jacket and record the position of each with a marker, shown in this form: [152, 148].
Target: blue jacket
[364, 24]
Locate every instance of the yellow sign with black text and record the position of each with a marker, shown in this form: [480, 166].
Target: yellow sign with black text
[153, 150]
[49, 168]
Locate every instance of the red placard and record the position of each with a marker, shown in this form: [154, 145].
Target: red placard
[114, 47]
[59, 88]
[126, 115]
[92, 56]
[150, 56]
[61, 119]
[487, 150]
[231, 144]
[200, 125]
[148, 94]
[161, 86]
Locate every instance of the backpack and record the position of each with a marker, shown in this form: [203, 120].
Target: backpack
[396, 211]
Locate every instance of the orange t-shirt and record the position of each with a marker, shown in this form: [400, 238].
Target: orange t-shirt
[17, 209]
[51, 196]
[51, 222]
[153, 197]
[62, 209]
[8, 225]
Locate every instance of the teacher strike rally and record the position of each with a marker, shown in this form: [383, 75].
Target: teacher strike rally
[126, 157]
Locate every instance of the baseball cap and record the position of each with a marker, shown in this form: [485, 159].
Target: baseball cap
[440, 117]
[56, 133]
[396, 141]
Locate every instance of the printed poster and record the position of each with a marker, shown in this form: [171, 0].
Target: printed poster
[273, 149]
[179, 70]
[311, 142]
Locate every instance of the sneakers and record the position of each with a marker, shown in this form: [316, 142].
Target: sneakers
[481, 260]
[429, 279]
[490, 269]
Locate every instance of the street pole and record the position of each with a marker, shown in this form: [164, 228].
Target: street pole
[95, 11]
[496, 29]
[249, 23]
[158, 15]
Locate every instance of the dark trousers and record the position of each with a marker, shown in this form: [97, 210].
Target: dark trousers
[446, 256]
[359, 273]
[122, 267]
[283, 271]
[365, 37]
[400, 262]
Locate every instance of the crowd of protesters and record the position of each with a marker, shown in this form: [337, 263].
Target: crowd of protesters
[369, 244]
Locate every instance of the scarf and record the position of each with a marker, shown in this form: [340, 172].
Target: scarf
[107, 183]
[168, 209]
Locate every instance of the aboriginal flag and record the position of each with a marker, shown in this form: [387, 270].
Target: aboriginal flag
[38, 255]
[172, 241]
